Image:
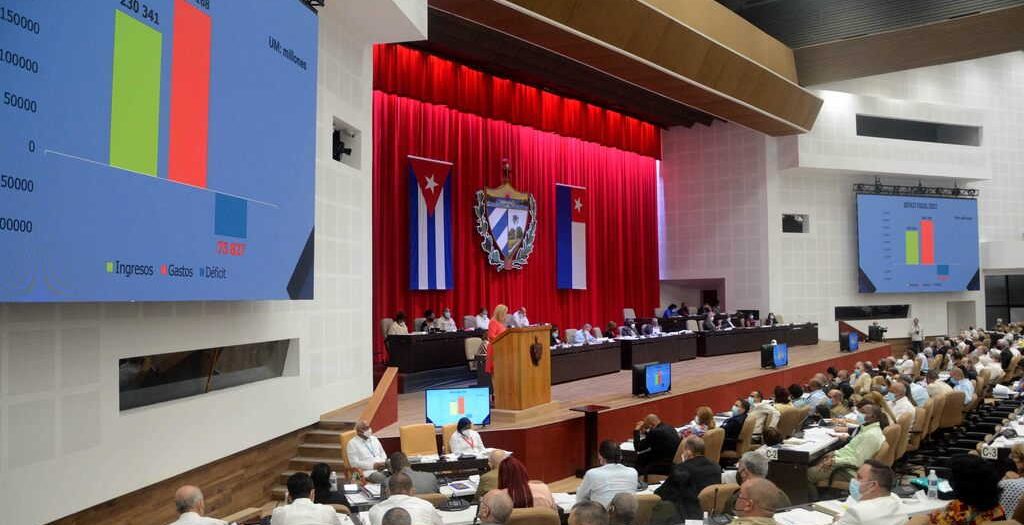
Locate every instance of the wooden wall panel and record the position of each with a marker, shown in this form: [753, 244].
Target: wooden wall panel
[230, 484]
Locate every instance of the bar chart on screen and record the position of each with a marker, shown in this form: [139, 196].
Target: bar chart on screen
[157, 149]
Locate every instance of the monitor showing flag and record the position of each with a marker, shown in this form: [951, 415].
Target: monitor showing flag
[571, 235]
[430, 224]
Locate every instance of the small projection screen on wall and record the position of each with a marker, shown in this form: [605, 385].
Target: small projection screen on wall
[157, 151]
[917, 244]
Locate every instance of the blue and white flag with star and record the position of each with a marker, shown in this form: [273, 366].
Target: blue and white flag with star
[430, 224]
[571, 236]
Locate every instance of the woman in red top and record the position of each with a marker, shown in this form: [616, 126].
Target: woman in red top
[494, 329]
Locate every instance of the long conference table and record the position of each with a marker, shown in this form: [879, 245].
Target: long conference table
[414, 353]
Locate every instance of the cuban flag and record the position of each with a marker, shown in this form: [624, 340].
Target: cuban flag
[571, 235]
[430, 224]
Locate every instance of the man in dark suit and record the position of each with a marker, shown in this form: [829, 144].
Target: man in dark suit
[655, 443]
[679, 492]
[734, 425]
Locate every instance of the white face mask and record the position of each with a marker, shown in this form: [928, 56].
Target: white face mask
[447, 315]
[368, 434]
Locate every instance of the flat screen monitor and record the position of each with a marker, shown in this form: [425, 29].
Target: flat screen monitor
[910, 243]
[780, 355]
[848, 341]
[448, 405]
[652, 378]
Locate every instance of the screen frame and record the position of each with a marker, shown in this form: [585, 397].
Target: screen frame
[426, 403]
[776, 363]
[668, 388]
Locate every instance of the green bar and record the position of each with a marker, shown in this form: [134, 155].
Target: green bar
[135, 96]
[913, 247]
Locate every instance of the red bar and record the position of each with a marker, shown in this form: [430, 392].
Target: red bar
[462, 405]
[190, 95]
[927, 242]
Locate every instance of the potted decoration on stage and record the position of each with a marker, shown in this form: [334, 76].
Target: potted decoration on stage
[506, 219]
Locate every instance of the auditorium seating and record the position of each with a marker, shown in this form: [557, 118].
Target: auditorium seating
[418, 440]
[469, 323]
[713, 440]
[533, 516]
[344, 439]
[473, 346]
[743, 442]
[446, 437]
[715, 498]
[644, 505]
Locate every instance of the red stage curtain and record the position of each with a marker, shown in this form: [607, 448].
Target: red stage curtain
[400, 70]
[622, 234]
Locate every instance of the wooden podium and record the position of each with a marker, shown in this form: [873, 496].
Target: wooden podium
[518, 383]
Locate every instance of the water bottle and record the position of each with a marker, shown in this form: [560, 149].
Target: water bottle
[933, 485]
[707, 519]
[334, 481]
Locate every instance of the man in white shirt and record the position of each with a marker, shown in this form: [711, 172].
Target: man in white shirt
[584, 335]
[873, 503]
[366, 453]
[191, 506]
[519, 319]
[301, 510]
[962, 384]
[762, 411]
[601, 484]
[445, 323]
[900, 404]
[420, 510]
[482, 321]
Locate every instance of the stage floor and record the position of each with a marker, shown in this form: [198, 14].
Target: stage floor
[614, 390]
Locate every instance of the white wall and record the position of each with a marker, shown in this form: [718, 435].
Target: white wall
[721, 182]
[64, 446]
[713, 223]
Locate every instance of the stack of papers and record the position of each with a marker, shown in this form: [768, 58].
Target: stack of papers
[803, 517]
[372, 489]
[834, 507]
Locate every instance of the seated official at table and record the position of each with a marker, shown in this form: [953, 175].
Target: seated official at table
[584, 335]
[703, 421]
[734, 425]
[515, 481]
[489, 479]
[601, 484]
[366, 453]
[481, 319]
[756, 503]
[679, 491]
[629, 329]
[874, 503]
[427, 324]
[300, 509]
[623, 508]
[842, 464]
[398, 325]
[465, 440]
[322, 493]
[188, 501]
[652, 328]
[750, 322]
[519, 319]
[975, 492]
[445, 323]
[725, 323]
[556, 338]
[422, 482]
[684, 310]
[671, 311]
[420, 510]
[655, 443]
[611, 330]
[495, 508]
[771, 320]
[708, 324]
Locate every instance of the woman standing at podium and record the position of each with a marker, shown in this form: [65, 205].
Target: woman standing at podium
[494, 329]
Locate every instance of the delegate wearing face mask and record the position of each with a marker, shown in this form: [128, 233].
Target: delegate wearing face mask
[366, 453]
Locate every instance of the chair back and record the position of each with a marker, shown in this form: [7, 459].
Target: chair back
[473, 346]
[570, 335]
[920, 426]
[416, 324]
[953, 414]
[339, 509]
[884, 454]
[917, 368]
[418, 439]
[434, 498]
[1011, 371]
[692, 325]
[938, 407]
[892, 435]
[933, 363]
[1018, 513]
[645, 504]
[346, 436]
[628, 313]
[597, 333]
[746, 434]
[903, 421]
[469, 322]
[979, 391]
[385, 325]
[790, 420]
[655, 313]
[533, 516]
[446, 437]
[713, 440]
[714, 498]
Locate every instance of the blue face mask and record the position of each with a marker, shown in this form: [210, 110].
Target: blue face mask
[855, 489]
[860, 418]
[890, 397]
[828, 402]
[735, 411]
[751, 400]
